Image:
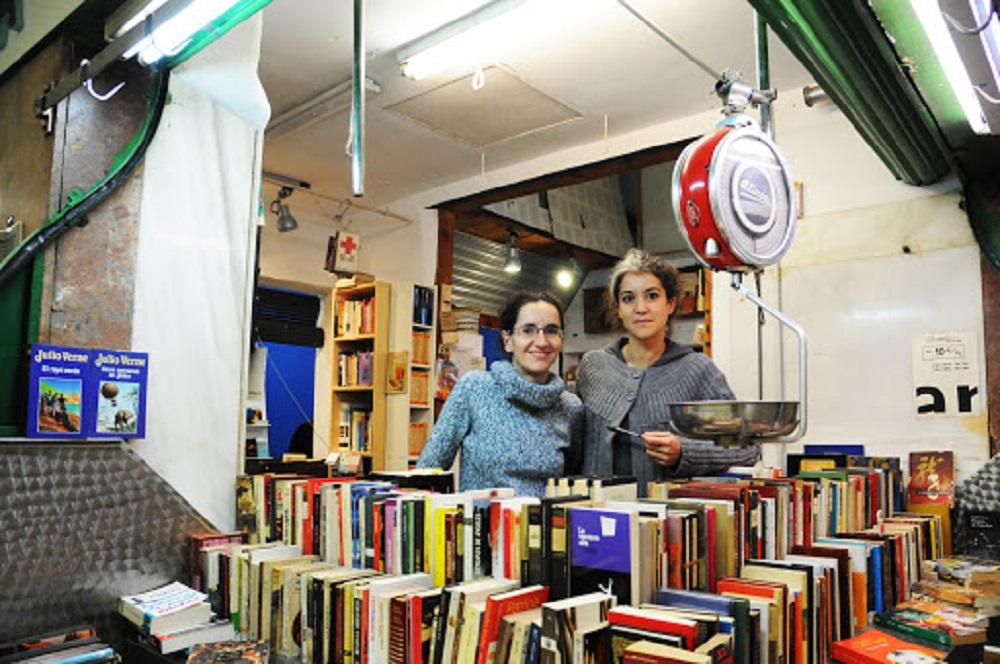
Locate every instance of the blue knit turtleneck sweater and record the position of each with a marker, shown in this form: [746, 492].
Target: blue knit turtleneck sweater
[512, 432]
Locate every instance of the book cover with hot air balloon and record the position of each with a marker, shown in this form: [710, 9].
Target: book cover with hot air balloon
[117, 398]
[57, 388]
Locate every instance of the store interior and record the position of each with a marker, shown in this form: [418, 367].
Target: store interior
[895, 201]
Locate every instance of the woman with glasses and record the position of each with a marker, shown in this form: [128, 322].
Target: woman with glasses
[515, 424]
[629, 385]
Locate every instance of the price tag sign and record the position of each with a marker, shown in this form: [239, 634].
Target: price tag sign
[946, 374]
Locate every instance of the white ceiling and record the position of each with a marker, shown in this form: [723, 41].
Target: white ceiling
[592, 56]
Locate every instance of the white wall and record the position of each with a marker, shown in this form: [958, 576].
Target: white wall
[194, 271]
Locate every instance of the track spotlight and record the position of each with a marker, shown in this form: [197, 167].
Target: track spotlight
[286, 222]
[513, 263]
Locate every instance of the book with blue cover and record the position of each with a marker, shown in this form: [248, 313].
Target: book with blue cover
[117, 400]
[57, 391]
[604, 552]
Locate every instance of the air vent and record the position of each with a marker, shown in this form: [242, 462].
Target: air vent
[504, 108]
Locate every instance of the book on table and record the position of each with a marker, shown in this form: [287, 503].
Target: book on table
[603, 552]
[182, 639]
[499, 605]
[877, 646]
[166, 608]
[934, 621]
[90, 650]
[659, 620]
[647, 652]
[233, 652]
[562, 618]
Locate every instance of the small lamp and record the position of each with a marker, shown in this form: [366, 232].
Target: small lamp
[286, 222]
[513, 263]
[567, 276]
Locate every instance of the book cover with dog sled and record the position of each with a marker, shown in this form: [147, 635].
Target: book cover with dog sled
[116, 400]
[57, 389]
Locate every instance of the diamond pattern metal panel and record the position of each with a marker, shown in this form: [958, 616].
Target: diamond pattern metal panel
[83, 524]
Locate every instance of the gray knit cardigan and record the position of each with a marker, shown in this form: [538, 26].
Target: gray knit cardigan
[512, 432]
[637, 399]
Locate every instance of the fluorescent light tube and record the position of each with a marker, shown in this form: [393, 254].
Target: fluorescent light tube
[466, 42]
[990, 37]
[167, 39]
[929, 14]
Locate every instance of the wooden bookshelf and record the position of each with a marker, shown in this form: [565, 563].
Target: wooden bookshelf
[360, 325]
[411, 413]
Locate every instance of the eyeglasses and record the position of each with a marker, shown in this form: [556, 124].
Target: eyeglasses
[530, 330]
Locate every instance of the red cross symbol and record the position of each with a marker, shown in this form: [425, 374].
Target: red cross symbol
[348, 245]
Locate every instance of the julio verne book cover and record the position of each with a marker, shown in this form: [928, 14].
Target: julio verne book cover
[57, 388]
[79, 392]
[117, 400]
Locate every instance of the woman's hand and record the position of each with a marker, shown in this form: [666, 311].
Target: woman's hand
[663, 447]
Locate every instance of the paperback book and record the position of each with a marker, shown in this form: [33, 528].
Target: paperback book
[166, 609]
[117, 398]
[57, 388]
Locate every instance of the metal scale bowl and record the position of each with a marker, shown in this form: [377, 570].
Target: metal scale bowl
[733, 202]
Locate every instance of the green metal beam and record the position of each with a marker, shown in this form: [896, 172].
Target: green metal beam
[842, 45]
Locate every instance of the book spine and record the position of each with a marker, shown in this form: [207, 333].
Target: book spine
[419, 564]
[535, 561]
[441, 625]
[477, 543]
[559, 574]
[533, 648]
[450, 536]
[397, 630]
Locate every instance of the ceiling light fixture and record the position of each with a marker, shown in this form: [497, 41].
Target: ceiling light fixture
[464, 42]
[286, 222]
[989, 36]
[176, 29]
[169, 30]
[568, 275]
[335, 100]
[513, 263]
[933, 22]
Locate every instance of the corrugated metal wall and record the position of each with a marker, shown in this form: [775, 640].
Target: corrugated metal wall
[478, 279]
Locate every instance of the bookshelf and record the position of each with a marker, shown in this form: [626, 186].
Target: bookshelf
[359, 345]
[694, 307]
[414, 331]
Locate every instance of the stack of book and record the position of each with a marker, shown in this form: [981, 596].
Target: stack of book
[77, 644]
[467, 318]
[173, 618]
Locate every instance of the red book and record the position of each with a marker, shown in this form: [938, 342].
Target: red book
[508, 547]
[675, 550]
[656, 620]
[378, 515]
[420, 621]
[874, 646]
[711, 562]
[311, 521]
[932, 478]
[503, 604]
